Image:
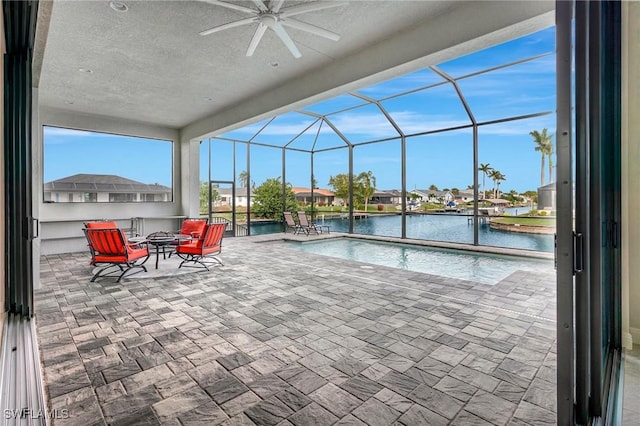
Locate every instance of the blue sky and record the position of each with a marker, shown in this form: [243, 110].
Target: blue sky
[442, 159]
[68, 152]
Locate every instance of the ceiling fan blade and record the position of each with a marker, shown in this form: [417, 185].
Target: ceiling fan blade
[310, 7]
[299, 25]
[282, 33]
[260, 5]
[257, 36]
[231, 6]
[229, 25]
[277, 4]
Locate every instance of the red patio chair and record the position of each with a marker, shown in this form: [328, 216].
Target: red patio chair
[205, 249]
[193, 227]
[111, 249]
[97, 224]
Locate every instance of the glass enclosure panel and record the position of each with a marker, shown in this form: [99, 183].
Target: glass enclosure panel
[308, 139]
[516, 180]
[538, 43]
[328, 165]
[266, 172]
[112, 169]
[221, 160]
[363, 124]
[328, 139]
[335, 104]
[432, 109]
[284, 128]
[243, 183]
[247, 132]
[377, 186]
[521, 89]
[440, 186]
[298, 167]
[402, 84]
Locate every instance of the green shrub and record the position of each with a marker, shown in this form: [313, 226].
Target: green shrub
[543, 213]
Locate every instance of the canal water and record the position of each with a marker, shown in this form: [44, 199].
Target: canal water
[436, 227]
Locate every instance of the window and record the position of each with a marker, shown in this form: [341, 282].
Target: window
[108, 169]
[122, 198]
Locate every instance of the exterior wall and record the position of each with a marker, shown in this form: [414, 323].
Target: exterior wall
[546, 199]
[630, 173]
[61, 224]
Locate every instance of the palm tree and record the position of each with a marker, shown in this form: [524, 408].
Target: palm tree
[486, 170]
[367, 184]
[550, 157]
[497, 177]
[545, 147]
[243, 179]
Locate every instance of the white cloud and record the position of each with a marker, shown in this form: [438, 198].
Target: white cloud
[60, 131]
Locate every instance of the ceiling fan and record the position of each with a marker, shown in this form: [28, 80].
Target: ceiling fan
[272, 15]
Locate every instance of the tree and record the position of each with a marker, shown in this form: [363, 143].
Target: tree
[545, 147]
[486, 171]
[512, 196]
[314, 182]
[340, 185]
[366, 186]
[267, 199]
[433, 188]
[497, 177]
[533, 195]
[204, 196]
[243, 179]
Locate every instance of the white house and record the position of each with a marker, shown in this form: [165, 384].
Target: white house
[92, 188]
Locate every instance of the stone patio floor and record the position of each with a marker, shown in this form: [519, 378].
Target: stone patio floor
[281, 337]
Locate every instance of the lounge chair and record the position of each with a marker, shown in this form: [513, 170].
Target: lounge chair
[113, 253]
[309, 225]
[291, 224]
[203, 250]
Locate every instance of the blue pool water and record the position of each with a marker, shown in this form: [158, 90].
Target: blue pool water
[445, 227]
[483, 268]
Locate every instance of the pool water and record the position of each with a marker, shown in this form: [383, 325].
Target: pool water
[477, 267]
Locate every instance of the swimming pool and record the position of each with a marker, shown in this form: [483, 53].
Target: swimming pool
[477, 267]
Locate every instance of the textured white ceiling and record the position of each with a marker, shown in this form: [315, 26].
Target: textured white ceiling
[151, 65]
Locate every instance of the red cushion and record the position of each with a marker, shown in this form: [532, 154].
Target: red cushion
[195, 228]
[101, 225]
[102, 258]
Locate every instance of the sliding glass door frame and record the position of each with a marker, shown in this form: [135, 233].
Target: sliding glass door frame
[588, 239]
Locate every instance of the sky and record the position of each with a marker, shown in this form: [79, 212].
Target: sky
[444, 159]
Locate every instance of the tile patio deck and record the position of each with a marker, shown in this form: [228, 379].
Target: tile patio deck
[280, 337]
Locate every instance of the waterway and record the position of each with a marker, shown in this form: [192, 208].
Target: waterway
[436, 227]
